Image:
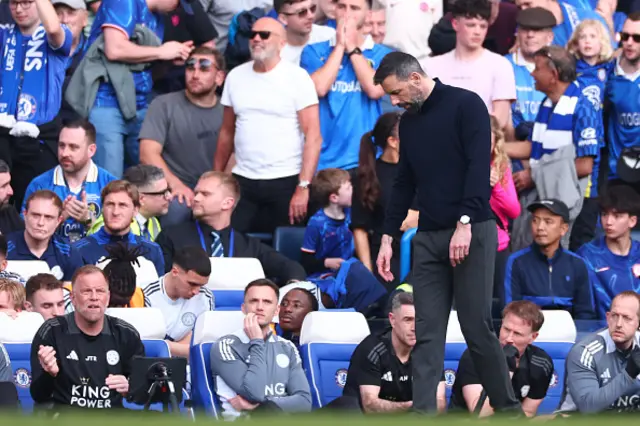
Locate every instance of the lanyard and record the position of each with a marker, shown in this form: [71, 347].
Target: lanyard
[204, 246]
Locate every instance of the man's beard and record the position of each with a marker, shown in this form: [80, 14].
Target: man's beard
[414, 105]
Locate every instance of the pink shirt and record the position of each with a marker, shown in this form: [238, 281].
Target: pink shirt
[506, 205]
[490, 76]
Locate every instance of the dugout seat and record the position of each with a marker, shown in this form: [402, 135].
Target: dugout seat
[556, 337]
[229, 277]
[454, 348]
[209, 327]
[288, 241]
[28, 268]
[17, 335]
[327, 341]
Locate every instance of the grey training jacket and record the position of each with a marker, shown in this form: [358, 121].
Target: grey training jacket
[259, 371]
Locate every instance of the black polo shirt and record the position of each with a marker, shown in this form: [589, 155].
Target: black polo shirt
[531, 379]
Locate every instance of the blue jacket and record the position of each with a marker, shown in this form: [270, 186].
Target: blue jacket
[561, 282]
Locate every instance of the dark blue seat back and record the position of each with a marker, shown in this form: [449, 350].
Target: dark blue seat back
[288, 241]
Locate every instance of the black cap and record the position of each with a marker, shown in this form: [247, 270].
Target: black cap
[556, 207]
[536, 18]
[629, 165]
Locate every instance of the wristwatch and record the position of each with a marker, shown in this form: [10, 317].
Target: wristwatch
[465, 220]
[304, 184]
[355, 51]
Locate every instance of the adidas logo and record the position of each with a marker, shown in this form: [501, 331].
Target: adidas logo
[606, 375]
[387, 377]
[73, 356]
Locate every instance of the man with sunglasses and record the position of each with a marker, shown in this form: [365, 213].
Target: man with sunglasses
[272, 126]
[298, 17]
[155, 194]
[342, 70]
[180, 131]
[78, 181]
[623, 95]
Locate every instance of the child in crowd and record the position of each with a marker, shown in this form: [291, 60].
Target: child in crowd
[328, 241]
[504, 203]
[591, 46]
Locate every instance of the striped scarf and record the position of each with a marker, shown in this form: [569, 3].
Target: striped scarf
[553, 127]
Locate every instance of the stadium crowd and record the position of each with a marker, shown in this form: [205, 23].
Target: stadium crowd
[165, 135]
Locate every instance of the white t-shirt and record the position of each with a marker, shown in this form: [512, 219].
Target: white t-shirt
[319, 33]
[179, 315]
[490, 75]
[268, 139]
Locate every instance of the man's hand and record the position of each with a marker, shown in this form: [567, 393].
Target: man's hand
[340, 32]
[77, 209]
[252, 328]
[411, 221]
[459, 245]
[48, 361]
[298, 205]
[183, 193]
[333, 263]
[523, 180]
[351, 35]
[493, 179]
[174, 50]
[241, 404]
[384, 259]
[118, 383]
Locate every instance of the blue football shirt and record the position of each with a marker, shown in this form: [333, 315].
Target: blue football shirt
[54, 180]
[125, 15]
[346, 112]
[32, 74]
[327, 237]
[61, 257]
[623, 94]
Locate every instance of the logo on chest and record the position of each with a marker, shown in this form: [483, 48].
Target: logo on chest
[113, 357]
[188, 319]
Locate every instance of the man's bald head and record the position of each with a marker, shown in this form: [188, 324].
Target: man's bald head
[268, 37]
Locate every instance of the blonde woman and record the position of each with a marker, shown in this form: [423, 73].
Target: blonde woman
[591, 45]
[504, 204]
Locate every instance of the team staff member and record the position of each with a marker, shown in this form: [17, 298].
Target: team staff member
[12, 297]
[77, 180]
[83, 359]
[380, 377]
[253, 368]
[216, 195]
[294, 307]
[119, 207]
[44, 296]
[531, 368]
[182, 296]
[603, 368]
[35, 57]
[43, 214]
[453, 190]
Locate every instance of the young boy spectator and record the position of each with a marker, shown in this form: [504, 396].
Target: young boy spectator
[613, 260]
[328, 241]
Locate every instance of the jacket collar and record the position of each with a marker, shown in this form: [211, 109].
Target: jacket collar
[536, 249]
[103, 237]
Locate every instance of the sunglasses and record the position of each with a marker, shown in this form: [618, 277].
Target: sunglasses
[264, 35]
[163, 193]
[203, 63]
[302, 13]
[625, 37]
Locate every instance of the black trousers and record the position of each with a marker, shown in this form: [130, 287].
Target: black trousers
[435, 284]
[498, 281]
[264, 204]
[584, 228]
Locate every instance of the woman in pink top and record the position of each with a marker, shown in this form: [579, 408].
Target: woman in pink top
[504, 204]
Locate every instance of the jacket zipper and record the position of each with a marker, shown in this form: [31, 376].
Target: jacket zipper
[551, 281]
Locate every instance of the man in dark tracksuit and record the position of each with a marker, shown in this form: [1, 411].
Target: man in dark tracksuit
[545, 273]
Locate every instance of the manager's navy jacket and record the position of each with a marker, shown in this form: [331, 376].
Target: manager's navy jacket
[561, 282]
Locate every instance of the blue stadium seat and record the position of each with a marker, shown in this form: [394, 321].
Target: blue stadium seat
[557, 336]
[635, 234]
[229, 277]
[209, 327]
[264, 237]
[405, 252]
[288, 241]
[454, 348]
[327, 341]
[17, 335]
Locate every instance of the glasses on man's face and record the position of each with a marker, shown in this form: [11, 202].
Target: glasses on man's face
[22, 4]
[626, 36]
[204, 64]
[164, 193]
[302, 13]
[264, 35]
